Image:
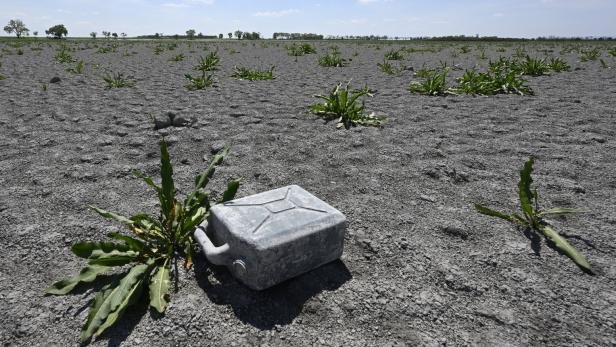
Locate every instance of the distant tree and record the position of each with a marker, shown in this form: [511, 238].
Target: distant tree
[238, 34]
[200, 34]
[220, 36]
[230, 35]
[35, 33]
[106, 33]
[123, 35]
[176, 36]
[93, 34]
[115, 35]
[190, 33]
[57, 31]
[156, 35]
[16, 26]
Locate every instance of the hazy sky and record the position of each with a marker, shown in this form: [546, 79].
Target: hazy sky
[511, 18]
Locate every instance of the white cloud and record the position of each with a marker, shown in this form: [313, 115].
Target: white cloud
[187, 3]
[280, 13]
[366, 2]
[174, 5]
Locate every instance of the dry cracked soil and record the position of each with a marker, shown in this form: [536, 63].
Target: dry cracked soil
[420, 265]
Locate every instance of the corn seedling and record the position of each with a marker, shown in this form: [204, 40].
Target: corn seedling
[243, 73]
[491, 83]
[299, 50]
[558, 65]
[520, 53]
[147, 259]
[64, 57]
[394, 55]
[158, 50]
[77, 68]
[590, 54]
[206, 80]
[612, 52]
[209, 63]
[604, 64]
[2, 77]
[532, 216]
[341, 105]
[532, 67]
[332, 59]
[44, 87]
[465, 49]
[178, 57]
[433, 84]
[388, 68]
[116, 80]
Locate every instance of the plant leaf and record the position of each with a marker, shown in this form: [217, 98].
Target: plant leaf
[86, 275]
[113, 299]
[132, 243]
[565, 247]
[94, 250]
[524, 189]
[231, 190]
[166, 174]
[159, 288]
[111, 215]
[561, 210]
[493, 213]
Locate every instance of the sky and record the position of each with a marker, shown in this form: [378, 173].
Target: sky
[404, 18]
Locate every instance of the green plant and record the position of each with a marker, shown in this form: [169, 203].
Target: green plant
[433, 84]
[332, 59]
[107, 49]
[64, 57]
[491, 82]
[465, 49]
[604, 64]
[520, 53]
[510, 82]
[389, 69]
[394, 55]
[209, 63]
[532, 216]
[116, 81]
[158, 49]
[532, 67]
[77, 68]
[146, 259]
[2, 77]
[299, 50]
[206, 80]
[612, 51]
[482, 55]
[44, 87]
[589, 54]
[341, 105]
[243, 73]
[178, 57]
[558, 65]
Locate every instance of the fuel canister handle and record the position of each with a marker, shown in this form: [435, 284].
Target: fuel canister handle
[215, 255]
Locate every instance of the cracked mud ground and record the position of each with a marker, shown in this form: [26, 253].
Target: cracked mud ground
[420, 266]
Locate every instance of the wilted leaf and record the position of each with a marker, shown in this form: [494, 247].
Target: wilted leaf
[159, 288]
[564, 246]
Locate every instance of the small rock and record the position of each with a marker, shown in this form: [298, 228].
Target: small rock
[456, 231]
[55, 79]
[217, 147]
[427, 198]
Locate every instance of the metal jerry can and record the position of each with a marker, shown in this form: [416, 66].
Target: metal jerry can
[272, 236]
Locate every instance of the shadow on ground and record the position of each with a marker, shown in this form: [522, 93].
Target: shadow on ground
[278, 305]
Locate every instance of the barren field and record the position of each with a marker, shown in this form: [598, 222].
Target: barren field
[420, 266]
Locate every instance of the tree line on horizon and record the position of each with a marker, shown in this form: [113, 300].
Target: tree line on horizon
[17, 27]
